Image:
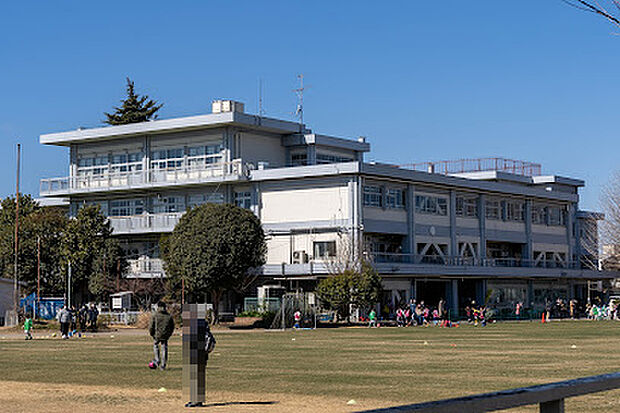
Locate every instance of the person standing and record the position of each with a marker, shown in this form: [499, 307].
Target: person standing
[28, 328]
[93, 313]
[64, 318]
[83, 317]
[441, 309]
[372, 317]
[161, 328]
[297, 317]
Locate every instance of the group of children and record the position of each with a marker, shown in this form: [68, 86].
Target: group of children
[416, 314]
[70, 319]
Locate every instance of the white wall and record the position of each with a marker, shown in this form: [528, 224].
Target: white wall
[297, 204]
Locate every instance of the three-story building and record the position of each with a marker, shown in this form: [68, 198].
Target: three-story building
[487, 230]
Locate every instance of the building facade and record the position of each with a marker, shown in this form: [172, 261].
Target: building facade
[487, 230]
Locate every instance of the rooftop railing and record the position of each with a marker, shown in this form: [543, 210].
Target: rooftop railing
[129, 179]
[512, 166]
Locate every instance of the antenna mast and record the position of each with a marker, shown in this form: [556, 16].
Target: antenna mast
[261, 111]
[299, 112]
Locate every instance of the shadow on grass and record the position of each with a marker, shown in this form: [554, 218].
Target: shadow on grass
[257, 403]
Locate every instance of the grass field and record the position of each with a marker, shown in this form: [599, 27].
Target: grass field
[309, 371]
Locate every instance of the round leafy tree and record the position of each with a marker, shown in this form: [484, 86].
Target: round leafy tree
[212, 249]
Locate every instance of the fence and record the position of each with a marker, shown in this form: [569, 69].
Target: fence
[549, 396]
[266, 304]
[126, 317]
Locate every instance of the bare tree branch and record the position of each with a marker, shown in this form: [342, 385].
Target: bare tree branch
[597, 8]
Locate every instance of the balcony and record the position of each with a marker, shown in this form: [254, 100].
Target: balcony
[139, 224]
[142, 179]
[145, 268]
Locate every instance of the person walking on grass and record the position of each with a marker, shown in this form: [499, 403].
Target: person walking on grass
[28, 328]
[161, 328]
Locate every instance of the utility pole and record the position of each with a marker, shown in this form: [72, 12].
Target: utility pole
[69, 285]
[15, 275]
[38, 274]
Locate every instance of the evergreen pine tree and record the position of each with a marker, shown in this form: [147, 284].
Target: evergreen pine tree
[134, 108]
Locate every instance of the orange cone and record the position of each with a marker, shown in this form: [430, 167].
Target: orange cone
[543, 318]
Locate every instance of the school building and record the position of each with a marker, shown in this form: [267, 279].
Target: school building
[465, 230]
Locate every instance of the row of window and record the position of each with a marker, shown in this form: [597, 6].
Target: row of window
[510, 210]
[197, 157]
[394, 198]
[168, 204]
[301, 159]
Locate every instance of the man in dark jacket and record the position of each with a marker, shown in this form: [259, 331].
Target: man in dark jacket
[161, 328]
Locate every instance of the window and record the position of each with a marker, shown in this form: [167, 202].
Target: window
[167, 158]
[92, 166]
[515, 211]
[324, 249]
[103, 206]
[243, 199]
[322, 158]
[202, 156]
[556, 216]
[539, 214]
[395, 198]
[165, 204]
[125, 207]
[493, 209]
[467, 206]
[126, 162]
[431, 205]
[299, 159]
[200, 199]
[372, 196]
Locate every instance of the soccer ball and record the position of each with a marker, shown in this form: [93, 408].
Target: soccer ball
[152, 365]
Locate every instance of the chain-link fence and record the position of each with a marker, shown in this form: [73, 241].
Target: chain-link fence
[305, 303]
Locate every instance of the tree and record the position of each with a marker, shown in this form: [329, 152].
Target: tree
[212, 249]
[610, 228]
[96, 258]
[353, 288]
[36, 225]
[607, 9]
[134, 108]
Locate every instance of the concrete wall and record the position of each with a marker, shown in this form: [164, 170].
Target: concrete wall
[256, 148]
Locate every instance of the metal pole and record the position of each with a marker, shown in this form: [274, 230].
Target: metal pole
[38, 274]
[69, 286]
[283, 313]
[15, 284]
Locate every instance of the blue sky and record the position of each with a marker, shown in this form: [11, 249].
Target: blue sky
[424, 80]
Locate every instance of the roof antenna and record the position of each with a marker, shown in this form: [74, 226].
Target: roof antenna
[261, 111]
[299, 112]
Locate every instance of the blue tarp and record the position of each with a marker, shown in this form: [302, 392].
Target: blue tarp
[48, 307]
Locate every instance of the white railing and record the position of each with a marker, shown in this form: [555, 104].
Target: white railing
[140, 178]
[145, 223]
[145, 268]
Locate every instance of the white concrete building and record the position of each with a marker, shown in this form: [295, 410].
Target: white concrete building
[457, 230]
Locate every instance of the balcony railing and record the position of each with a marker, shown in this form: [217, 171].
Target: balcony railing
[145, 268]
[468, 261]
[145, 223]
[131, 179]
